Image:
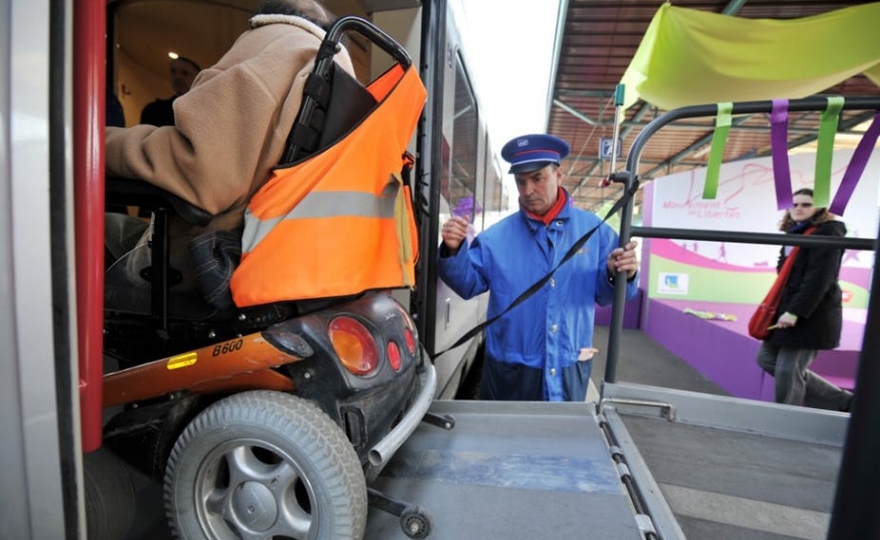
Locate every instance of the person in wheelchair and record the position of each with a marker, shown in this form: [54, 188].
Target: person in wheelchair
[230, 131]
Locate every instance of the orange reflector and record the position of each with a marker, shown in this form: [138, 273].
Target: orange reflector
[354, 345]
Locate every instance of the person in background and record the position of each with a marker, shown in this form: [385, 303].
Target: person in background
[161, 111]
[811, 312]
[114, 114]
[542, 349]
[230, 130]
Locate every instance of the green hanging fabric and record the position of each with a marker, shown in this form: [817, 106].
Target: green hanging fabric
[690, 57]
[824, 150]
[716, 154]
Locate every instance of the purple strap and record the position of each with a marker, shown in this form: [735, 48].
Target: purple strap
[779, 151]
[857, 164]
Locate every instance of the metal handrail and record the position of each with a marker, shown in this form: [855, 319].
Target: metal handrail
[629, 177]
[854, 512]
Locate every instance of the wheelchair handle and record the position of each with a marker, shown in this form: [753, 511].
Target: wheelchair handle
[373, 33]
[324, 66]
[365, 28]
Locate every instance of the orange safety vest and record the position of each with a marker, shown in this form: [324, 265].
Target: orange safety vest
[341, 222]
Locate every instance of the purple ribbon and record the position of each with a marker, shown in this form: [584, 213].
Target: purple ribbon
[779, 151]
[857, 164]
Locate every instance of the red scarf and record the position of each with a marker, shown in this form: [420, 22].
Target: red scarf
[561, 199]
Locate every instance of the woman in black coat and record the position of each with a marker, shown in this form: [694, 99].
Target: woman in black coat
[810, 312]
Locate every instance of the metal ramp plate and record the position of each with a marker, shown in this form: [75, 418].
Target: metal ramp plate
[508, 471]
[727, 468]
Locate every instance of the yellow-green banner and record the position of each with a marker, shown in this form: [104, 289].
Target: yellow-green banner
[692, 57]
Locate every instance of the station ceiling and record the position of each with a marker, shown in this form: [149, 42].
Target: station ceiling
[599, 39]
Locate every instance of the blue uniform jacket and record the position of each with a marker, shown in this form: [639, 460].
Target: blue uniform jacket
[547, 331]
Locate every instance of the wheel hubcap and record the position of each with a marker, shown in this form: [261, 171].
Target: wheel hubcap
[251, 489]
[254, 505]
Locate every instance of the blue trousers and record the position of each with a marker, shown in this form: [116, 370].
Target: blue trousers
[507, 381]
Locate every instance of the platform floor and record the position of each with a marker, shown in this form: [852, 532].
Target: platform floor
[728, 485]
[644, 361]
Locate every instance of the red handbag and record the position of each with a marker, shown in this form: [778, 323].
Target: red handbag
[759, 324]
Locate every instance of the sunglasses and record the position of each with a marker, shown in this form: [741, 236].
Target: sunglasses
[802, 205]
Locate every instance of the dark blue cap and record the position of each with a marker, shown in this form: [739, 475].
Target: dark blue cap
[529, 153]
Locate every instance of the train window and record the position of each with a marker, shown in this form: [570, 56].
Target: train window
[496, 204]
[459, 175]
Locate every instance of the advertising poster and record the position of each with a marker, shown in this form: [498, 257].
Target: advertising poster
[746, 202]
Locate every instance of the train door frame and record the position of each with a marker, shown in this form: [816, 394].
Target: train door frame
[42, 473]
[442, 315]
[52, 92]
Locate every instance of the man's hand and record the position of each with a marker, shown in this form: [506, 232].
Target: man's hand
[453, 233]
[624, 260]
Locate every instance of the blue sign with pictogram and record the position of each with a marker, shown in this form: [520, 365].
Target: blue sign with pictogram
[605, 144]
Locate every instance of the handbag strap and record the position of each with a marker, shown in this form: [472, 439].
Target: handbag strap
[789, 261]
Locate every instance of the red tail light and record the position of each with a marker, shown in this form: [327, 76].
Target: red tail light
[409, 330]
[410, 340]
[394, 355]
[355, 346]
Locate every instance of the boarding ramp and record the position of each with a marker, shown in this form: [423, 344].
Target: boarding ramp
[510, 470]
[506, 471]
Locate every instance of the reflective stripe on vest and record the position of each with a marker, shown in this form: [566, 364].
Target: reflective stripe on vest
[340, 222]
[325, 205]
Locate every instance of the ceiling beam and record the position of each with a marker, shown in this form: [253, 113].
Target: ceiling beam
[584, 93]
[574, 112]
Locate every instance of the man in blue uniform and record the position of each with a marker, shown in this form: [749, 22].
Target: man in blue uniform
[542, 349]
